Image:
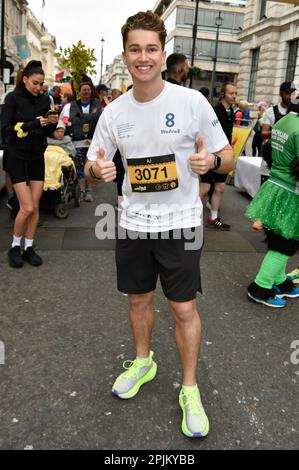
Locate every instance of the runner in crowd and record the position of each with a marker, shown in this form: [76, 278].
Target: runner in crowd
[276, 206]
[163, 151]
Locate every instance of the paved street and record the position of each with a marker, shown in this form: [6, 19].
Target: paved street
[66, 334]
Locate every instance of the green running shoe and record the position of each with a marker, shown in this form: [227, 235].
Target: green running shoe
[128, 383]
[195, 421]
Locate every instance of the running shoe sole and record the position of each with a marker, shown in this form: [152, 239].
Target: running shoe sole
[264, 302]
[185, 430]
[150, 375]
[290, 296]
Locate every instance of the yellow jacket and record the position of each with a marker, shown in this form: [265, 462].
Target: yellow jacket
[55, 159]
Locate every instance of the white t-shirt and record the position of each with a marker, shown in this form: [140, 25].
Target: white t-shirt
[156, 139]
[269, 116]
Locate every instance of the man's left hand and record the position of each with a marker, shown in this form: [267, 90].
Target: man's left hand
[202, 161]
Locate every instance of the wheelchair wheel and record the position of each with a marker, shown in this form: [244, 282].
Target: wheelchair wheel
[62, 210]
[76, 195]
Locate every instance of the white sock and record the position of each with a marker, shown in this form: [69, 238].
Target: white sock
[16, 241]
[214, 214]
[28, 243]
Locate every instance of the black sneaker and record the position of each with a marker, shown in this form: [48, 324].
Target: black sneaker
[216, 224]
[31, 257]
[15, 258]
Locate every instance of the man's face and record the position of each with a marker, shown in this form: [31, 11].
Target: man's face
[230, 95]
[286, 97]
[143, 55]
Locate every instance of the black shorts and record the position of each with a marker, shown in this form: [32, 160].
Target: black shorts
[212, 177]
[25, 170]
[140, 261]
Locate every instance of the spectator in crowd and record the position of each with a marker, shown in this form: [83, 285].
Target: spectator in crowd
[25, 124]
[272, 115]
[64, 141]
[242, 114]
[177, 68]
[56, 95]
[116, 93]
[64, 117]
[84, 115]
[102, 91]
[257, 141]
[225, 113]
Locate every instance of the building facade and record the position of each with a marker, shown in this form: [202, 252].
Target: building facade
[269, 52]
[179, 18]
[22, 27]
[116, 75]
[42, 46]
[14, 25]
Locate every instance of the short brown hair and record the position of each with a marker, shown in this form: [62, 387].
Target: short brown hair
[146, 20]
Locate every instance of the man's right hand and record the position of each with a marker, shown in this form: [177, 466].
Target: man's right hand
[104, 169]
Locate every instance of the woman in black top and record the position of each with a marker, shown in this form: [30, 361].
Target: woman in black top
[25, 125]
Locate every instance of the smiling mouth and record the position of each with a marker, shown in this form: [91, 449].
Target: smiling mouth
[143, 68]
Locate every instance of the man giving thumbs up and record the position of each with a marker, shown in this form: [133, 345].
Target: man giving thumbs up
[166, 135]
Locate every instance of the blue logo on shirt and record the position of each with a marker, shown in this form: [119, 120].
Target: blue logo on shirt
[170, 119]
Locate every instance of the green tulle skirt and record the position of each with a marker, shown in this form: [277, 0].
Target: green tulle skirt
[277, 209]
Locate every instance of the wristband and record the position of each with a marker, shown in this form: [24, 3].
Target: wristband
[92, 174]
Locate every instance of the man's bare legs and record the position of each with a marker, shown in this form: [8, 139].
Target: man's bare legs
[187, 335]
[142, 317]
[187, 330]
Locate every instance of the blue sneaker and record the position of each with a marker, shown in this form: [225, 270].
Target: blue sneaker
[275, 301]
[292, 293]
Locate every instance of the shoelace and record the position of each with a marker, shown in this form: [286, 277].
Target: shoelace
[133, 369]
[193, 401]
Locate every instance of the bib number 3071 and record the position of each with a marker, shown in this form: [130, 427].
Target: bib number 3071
[153, 174]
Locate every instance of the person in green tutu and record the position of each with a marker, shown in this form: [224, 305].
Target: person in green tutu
[276, 205]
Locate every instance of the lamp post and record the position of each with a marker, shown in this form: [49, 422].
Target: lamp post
[194, 36]
[218, 23]
[102, 51]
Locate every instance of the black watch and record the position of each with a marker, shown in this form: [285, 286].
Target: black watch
[217, 162]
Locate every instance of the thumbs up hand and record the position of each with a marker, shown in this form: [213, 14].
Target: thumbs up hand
[104, 169]
[201, 161]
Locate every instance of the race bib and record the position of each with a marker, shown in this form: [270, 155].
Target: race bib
[153, 174]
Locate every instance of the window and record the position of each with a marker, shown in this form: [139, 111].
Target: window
[292, 59]
[206, 20]
[253, 74]
[263, 9]
[205, 49]
[185, 16]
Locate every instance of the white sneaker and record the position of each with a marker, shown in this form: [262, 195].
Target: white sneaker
[88, 196]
